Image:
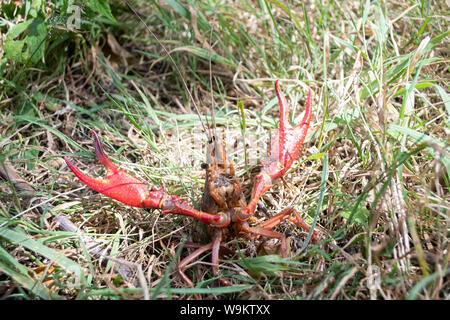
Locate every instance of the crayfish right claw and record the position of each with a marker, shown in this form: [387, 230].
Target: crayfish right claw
[283, 151]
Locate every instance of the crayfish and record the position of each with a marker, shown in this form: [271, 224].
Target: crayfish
[223, 208]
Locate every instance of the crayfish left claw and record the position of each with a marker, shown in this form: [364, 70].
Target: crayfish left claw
[123, 187]
[118, 185]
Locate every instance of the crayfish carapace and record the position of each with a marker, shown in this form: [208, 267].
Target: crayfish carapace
[223, 208]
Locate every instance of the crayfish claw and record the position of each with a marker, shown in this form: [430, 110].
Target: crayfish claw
[118, 184]
[283, 151]
[101, 156]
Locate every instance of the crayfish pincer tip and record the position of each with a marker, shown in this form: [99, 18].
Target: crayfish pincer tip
[101, 155]
[71, 166]
[66, 159]
[97, 140]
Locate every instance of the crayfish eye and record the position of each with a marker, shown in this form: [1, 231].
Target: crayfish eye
[204, 166]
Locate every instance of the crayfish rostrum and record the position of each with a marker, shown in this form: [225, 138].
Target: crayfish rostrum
[224, 208]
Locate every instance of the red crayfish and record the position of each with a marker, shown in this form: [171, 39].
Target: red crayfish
[223, 207]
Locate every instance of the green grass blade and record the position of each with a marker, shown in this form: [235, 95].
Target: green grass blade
[19, 238]
[323, 185]
[413, 294]
[19, 273]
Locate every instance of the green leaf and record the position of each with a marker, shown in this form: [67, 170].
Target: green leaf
[36, 8]
[102, 7]
[19, 273]
[359, 216]
[418, 86]
[205, 54]
[395, 131]
[270, 264]
[316, 156]
[445, 99]
[52, 130]
[179, 8]
[20, 238]
[25, 42]
[344, 43]
[418, 137]
[51, 104]
[424, 282]
[217, 290]
[433, 42]
[323, 185]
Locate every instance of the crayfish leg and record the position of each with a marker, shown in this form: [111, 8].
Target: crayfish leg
[286, 214]
[182, 265]
[214, 246]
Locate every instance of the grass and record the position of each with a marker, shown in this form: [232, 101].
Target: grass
[373, 175]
